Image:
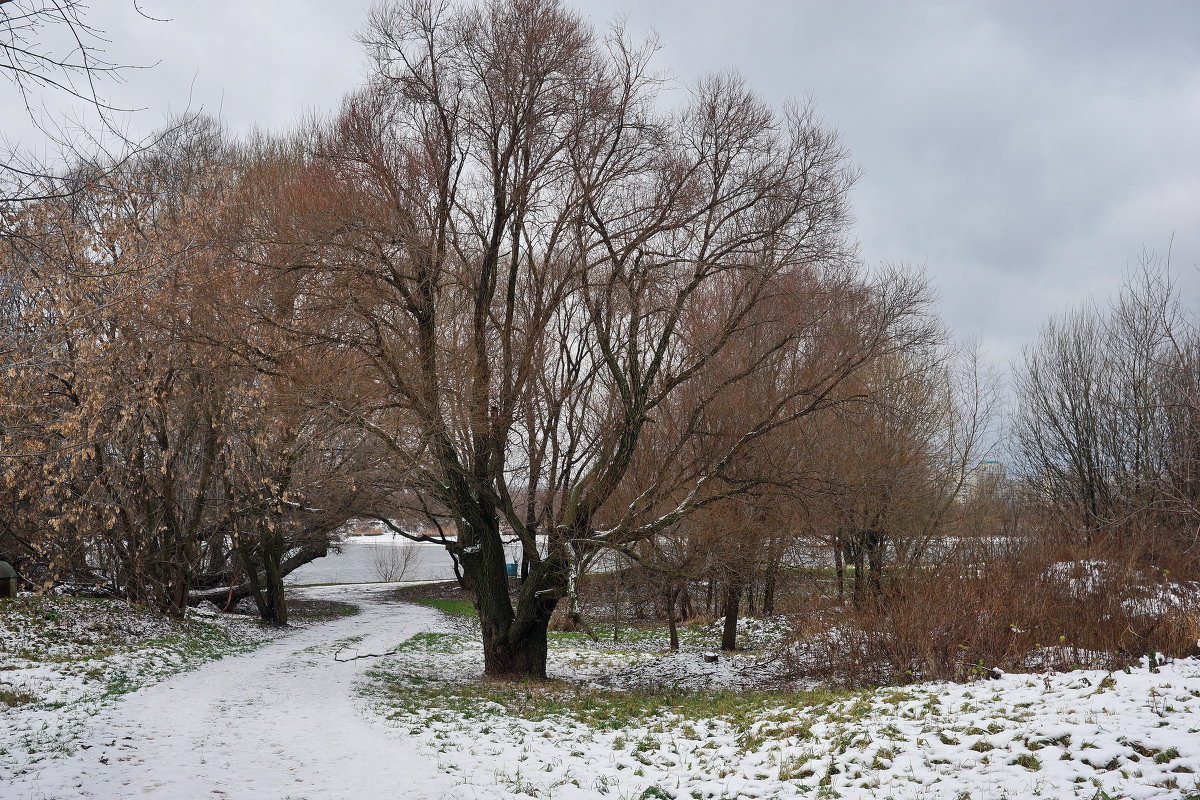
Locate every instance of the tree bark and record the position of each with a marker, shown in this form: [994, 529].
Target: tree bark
[733, 600]
[226, 595]
[839, 565]
[514, 637]
[768, 604]
[875, 552]
[672, 622]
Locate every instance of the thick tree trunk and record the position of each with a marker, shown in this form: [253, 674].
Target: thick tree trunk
[516, 649]
[514, 638]
[505, 658]
[177, 601]
[273, 604]
[733, 600]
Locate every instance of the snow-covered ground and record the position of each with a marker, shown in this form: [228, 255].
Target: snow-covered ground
[283, 721]
[1083, 734]
[62, 660]
[291, 720]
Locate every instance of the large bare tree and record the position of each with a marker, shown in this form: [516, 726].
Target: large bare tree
[532, 263]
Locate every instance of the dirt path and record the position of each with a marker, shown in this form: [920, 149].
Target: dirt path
[281, 722]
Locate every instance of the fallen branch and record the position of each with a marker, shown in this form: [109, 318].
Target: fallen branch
[337, 656]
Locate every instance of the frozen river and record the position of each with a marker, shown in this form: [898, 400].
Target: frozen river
[368, 559]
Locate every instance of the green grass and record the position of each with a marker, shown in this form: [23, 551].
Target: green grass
[1029, 762]
[102, 628]
[457, 607]
[601, 709]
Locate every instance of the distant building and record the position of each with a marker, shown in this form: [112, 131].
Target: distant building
[985, 475]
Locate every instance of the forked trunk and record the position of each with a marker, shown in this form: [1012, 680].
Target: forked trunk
[514, 646]
[514, 638]
[522, 659]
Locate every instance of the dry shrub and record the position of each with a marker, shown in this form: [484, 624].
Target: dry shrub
[1027, 609]
[561, 620]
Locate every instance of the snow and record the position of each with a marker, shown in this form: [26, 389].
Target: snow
[288, 720]
[1081, 578]
[64, 659]
[281, 722]
[1062, 735]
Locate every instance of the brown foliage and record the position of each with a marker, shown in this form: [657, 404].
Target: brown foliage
[1017, 608]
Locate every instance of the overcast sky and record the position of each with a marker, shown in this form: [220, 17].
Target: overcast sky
[1023, 153]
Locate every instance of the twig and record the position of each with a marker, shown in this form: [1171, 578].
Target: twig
[337, 656]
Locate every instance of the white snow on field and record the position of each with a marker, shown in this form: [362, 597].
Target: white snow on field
[288, 720]
[280, 722]
[63, 660]
[1085, 734]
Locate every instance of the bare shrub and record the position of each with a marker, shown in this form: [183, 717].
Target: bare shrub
[391, 562]
[1028, 610]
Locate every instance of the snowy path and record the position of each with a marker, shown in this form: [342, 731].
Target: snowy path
[281, 722]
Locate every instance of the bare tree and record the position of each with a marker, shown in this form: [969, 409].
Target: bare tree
[893, 465]
[1107, 423]
[532, 262]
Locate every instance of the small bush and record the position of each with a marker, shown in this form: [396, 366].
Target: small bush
[11, 698]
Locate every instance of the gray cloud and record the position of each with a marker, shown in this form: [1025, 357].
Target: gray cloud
[1023, 152]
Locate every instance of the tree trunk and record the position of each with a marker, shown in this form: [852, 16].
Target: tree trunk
[514, 638]
[273, 606]
[223, 592]
[575, 609]
[672, 622]
[616, 605]
[875, 550]
[733, 600]
[456, 565]
[840, 566]
[177, 601]
[859, 569]
[768, 604]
